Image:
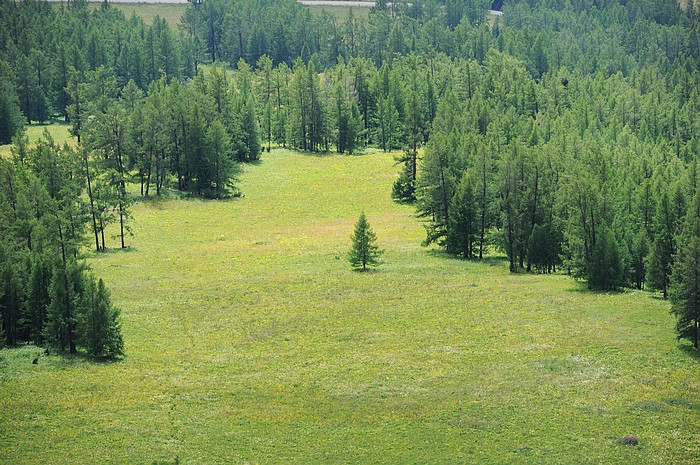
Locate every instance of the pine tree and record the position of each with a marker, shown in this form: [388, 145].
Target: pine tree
[685, 290]
[220, 158]
[463, 224]
[605, 267]
[404, 188]
[364, 252]
[11, 118]
[38, 298]
[59, 318]
[10, 300]
[685, 278]
[98, 321]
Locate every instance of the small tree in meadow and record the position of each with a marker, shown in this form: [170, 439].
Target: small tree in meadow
[364, 249]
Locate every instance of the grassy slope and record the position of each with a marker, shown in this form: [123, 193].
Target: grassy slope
[171, 12]
[250, 340]
[59, 132]
[341, 12]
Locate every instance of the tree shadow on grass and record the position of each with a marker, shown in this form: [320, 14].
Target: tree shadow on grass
[580, 286]
[658, 295]
[331, 153]
[490, 260]
[368, 271]
[64, 360]
[690, 351]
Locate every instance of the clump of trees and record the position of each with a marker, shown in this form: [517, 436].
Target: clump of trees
[47, 295]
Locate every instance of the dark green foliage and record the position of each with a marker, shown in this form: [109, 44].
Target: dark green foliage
[223, 169]
[65, 288]
[685, 291]
[38, 298]
[639, 251]
[347, 119]
[659, 264]
[660, 259]
[42, 219]
[685, 278]
[11, 118]
[250, 132]
[98, 321]
[605, 267]
[544, 248]
[10, 300]
[463, 220]
[404, 188]
[364, 252]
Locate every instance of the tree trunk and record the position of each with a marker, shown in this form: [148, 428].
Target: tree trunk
[102, 233]
[66, 287]
[121, 223]
[92, 204]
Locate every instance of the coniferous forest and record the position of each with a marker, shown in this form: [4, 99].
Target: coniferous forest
[559, 138]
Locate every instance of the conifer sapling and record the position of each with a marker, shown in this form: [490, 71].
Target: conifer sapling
[364, 249]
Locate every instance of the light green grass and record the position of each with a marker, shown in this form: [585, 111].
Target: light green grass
[341, 12]
[58, 131]
[171, 12]
[250, 340]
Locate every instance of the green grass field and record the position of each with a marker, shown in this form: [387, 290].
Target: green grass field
[58, 131]
[171, 12]
[341, 12]
[250, 340]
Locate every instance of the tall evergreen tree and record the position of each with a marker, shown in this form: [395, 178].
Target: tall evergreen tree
[685, 277]
[220, 156]
[605, 267]
[11, 118]
[98, 321]
[364, 252]
[38, 298]
[463, 229]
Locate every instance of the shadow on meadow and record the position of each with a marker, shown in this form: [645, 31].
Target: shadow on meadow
[332, 153]
[581, 287]
[689, 350]
[488, 260]
[92, 254]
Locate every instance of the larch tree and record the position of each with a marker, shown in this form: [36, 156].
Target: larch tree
[11, 118]
[98, 321]
[364, 252]
[685, 278]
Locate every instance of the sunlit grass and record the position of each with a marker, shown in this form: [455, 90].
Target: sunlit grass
[171, 12]
[59, 132]
[340, 12]
[249, 339]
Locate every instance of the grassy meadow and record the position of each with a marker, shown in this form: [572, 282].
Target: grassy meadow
[250, 340]
[340, 12]
[59, 132]
[171, 12]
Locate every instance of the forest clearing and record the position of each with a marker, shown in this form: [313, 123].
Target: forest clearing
[250, 340]
[254, 231]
